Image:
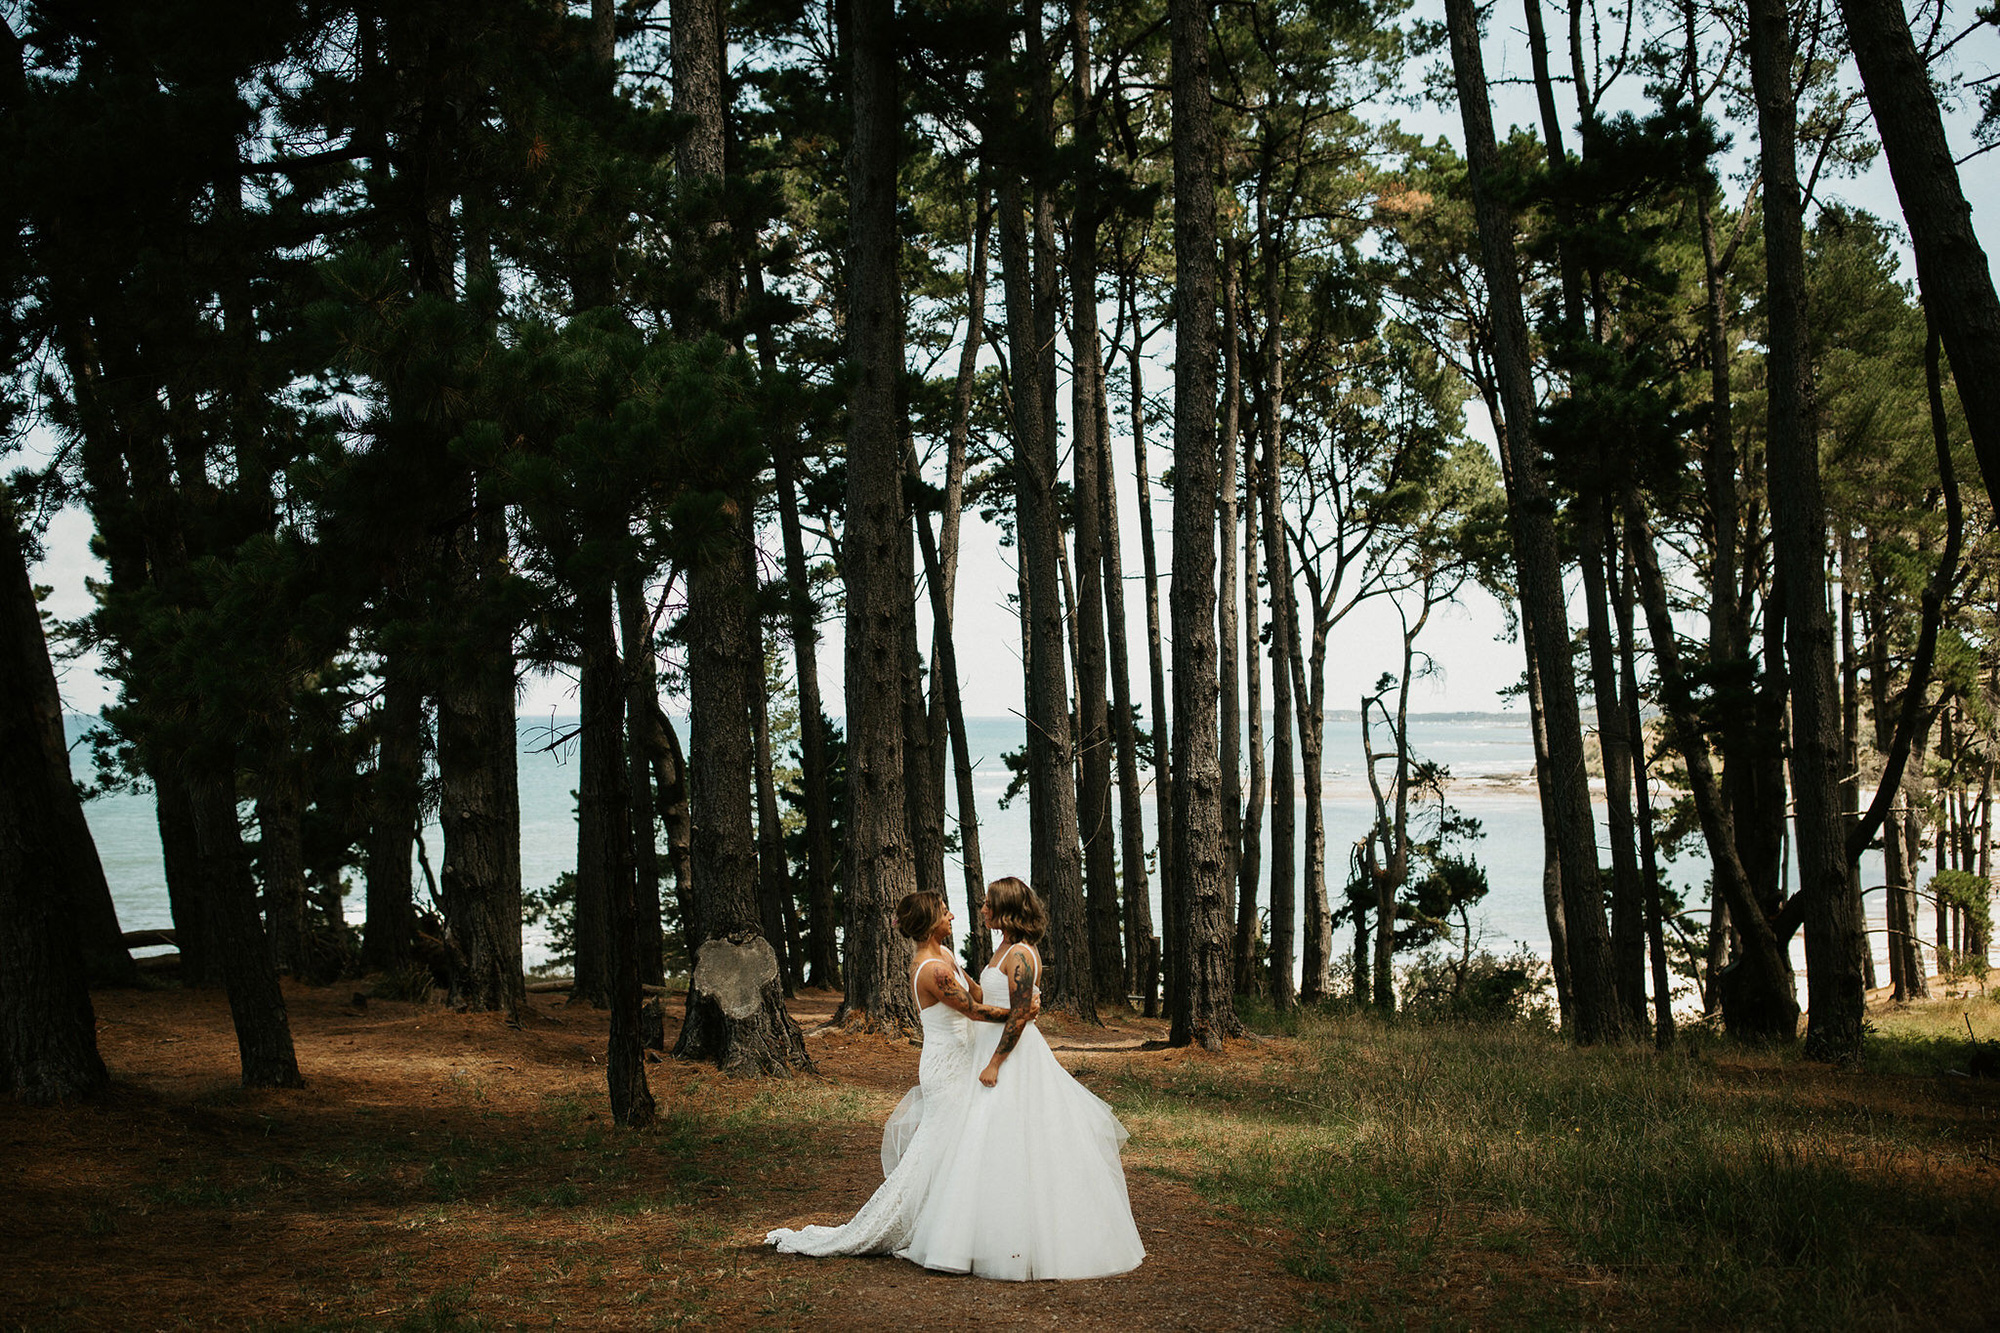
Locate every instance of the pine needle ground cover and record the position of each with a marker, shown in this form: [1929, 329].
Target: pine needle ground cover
[443, 1171]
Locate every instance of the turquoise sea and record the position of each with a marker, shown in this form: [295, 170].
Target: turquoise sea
[1490, 757]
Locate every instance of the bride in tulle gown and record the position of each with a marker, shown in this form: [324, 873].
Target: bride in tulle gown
[1040, 1191]
[926, 1125]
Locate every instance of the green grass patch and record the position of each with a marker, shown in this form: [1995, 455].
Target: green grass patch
[1716, 1186]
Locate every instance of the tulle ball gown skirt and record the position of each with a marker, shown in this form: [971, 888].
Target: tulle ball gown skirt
[1037, 1190]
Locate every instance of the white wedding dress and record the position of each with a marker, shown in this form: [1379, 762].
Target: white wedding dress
[915, 1142]
[1036, 1189]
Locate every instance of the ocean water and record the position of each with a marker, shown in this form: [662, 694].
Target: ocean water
[1490, 757]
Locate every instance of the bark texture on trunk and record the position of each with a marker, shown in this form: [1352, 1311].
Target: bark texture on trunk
[73, 872]
[1203, 1005]
[880, 868]
[48, 1031]
[480, 800]
[605, 779]
[1834, 927]
[256, 1003]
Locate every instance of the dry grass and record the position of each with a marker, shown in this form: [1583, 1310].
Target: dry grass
[1504, 1179]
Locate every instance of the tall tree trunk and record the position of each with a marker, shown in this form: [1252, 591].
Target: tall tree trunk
[1250, 861]
[1089, 463]
[1316, 979]
[48, 1031]
[823, 956]
[1229, 669]
[281, 855]
[1952, 268]
[1757, 992]
[923, 804]
[1203, 1008]
[880, 867]
[1284, 791]
[945, 693]
[1538, 563]
[603, 835]
[774, 884]
[735, 1009]
[641, 698]
[67, 858]
[395, 802]
[605, 789]
[256, 1002]
[1649, 868]
[479, 800]
[1834, 926]
[1163, 751]
[1628, 895]
[1138, 904]
[187, 890]
[1071, 983]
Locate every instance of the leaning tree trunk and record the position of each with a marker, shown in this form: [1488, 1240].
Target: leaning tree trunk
[256, 1002]
[1758, 1001]
[1952, 269]
[48, 1032]
[1203, 1008]
[72, 871]
[880, 587]
[1538, 562]
[979, 942]
[1834, 927]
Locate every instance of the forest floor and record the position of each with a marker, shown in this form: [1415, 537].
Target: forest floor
[444, 1171]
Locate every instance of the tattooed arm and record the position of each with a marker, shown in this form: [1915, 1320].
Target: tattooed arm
[1023, 1003]
[946, 988]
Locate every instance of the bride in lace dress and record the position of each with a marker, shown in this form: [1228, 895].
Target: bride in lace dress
[927, 1123]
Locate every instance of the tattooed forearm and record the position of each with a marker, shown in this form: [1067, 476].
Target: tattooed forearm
[1021, 997]
[950, 992]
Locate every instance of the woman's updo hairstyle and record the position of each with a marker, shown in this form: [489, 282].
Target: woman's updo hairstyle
[917, 916]
[1016, 909]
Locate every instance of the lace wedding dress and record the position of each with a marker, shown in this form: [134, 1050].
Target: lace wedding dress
[1036, 1187]
[924, 1126]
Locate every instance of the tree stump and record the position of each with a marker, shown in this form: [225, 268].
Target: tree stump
[736, 1011]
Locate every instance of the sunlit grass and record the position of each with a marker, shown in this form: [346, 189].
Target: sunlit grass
[1720, 1185]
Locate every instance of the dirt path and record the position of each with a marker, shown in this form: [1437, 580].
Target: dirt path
[445, 1171]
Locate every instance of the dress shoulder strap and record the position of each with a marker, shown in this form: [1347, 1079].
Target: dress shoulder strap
[914, 993]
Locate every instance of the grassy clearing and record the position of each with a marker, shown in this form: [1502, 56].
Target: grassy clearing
[1520, 1182]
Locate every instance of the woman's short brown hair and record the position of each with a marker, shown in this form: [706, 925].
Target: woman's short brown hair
[1017, 909]
[917, 916]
